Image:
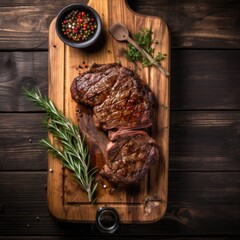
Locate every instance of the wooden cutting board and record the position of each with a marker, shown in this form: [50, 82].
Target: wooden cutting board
[148, 202]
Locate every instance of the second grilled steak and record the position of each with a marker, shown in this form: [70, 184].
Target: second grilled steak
[130, 156]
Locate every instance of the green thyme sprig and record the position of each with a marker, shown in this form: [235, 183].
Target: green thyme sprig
[144, 39]
[69, 145]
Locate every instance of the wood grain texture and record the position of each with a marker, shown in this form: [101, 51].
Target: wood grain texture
[208, 24]
[199, 141]
[194, 74]
[56, 71]
[205, 79]
[207, 201]
[19, 142]
[21, 70]
[205, 141]
[26, 24]
[197, 24]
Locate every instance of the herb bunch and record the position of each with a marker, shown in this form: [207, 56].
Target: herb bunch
[69, 146]
[144, 39]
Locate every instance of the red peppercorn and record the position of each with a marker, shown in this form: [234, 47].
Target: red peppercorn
[79, 26]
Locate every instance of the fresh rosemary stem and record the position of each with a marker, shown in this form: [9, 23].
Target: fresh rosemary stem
[68, 144]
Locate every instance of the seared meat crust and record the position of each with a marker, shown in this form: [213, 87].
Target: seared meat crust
[120, 99]
[122, 103]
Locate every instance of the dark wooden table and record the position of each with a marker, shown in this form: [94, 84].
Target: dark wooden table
[204, 166]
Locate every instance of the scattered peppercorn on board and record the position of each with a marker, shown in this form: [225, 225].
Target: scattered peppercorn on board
[66, 200]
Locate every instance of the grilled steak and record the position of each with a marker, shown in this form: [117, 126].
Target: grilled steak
[120, 99]
[130, 155]
[121, 103]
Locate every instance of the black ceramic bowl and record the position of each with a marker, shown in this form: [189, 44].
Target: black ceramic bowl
[64, 15]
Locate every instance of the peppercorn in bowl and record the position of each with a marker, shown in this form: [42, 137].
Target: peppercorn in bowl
[78, 25]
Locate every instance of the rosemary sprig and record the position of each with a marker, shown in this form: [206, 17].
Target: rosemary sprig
[69, 146]
[144, 39]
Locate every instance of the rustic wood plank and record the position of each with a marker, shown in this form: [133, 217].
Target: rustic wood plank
[199, 141]
[208, 24]
[26, 23]
[205, 141]
[196, 24]
[19, 142]
[21, 70]
[200, 79]
[199, 204]
[205, 79]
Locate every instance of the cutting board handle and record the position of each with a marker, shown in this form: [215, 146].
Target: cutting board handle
[115, 5]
